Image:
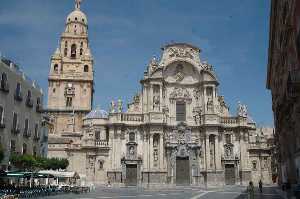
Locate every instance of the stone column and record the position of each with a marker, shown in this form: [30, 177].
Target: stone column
[118, 149]
[145, 152]
[207, 153]
[217, 153]
[151, 98]
[161, 152]
[151, 151]
[112, 146]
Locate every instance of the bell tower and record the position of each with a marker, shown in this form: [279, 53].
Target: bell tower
[70, 89]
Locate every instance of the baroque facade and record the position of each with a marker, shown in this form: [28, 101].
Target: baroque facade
[176, 130]
[21, 119]
[283, 79]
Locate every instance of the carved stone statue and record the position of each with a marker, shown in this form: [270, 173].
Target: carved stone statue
[112, 107]
[242, 110]
[77, 4]
[153, 64]
[210, 104]
[120, 106]
[207, 66]
[155, 155]
[156, 102]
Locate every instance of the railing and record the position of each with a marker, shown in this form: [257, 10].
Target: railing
[15, 130]
[39, 108]
[26, 134]
[18, 96]
[132, 117]
[259, 146]
[29, 102]
[101, 143]
[228, 120]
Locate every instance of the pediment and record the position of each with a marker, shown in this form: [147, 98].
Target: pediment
[181, 72]
[208, 76]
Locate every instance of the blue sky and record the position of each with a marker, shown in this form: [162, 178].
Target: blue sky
[125, 34]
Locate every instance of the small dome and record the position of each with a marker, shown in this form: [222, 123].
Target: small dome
[77, 16]
[97, 114]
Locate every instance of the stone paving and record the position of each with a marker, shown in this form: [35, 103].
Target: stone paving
[230, 192]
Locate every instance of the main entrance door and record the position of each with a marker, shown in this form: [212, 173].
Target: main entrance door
[182, 171]
[131, 174]
[229, 174]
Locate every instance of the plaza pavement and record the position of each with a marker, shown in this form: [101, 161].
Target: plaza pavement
[228, 192]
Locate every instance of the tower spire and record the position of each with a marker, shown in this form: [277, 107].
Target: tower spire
[77, 4]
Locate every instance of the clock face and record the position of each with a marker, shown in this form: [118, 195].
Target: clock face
[70, 85]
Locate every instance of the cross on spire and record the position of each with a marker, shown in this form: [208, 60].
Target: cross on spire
[77, 4]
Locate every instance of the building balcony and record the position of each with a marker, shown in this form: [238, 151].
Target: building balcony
[29, 102]
[36, 137]
[15, 130]
[26, 134]
[4, 86]
[39, 108]
[259, 146]
[101, 143]
[18, 96]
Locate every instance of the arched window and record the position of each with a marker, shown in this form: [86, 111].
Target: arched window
[81, 44]
[132, 137]
[66, 44]
[73, 51]
[55, 68]
[81, 51]
[86, 68]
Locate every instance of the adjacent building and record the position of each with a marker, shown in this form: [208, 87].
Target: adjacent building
[20, 112]
[177, 129]
[283, 79]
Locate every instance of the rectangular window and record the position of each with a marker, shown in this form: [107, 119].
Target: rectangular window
[12, 146]
[69, 102]
[228, 138]
[26, 126]
[97, 135]
[36, 131]
[1, 115]
[180, 111]
[15, 121]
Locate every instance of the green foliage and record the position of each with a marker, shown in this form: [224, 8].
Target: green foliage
[29, 162]
[1, 153]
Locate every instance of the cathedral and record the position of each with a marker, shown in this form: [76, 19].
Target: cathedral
[176, 131]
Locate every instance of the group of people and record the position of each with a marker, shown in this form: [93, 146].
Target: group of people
[250, 189]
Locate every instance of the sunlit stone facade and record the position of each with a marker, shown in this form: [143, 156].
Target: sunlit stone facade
[176, 130]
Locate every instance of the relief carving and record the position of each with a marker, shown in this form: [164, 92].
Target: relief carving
[181, 52]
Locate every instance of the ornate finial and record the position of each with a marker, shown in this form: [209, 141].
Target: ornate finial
[77, 4]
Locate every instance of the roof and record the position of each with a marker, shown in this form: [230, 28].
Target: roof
[181, 44]
[77, 16]
[97, 114]
[61, 174]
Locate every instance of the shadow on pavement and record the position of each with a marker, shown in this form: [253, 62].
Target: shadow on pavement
[268, 193]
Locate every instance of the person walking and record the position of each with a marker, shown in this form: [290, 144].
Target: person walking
[250, 190]
[260, 184]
